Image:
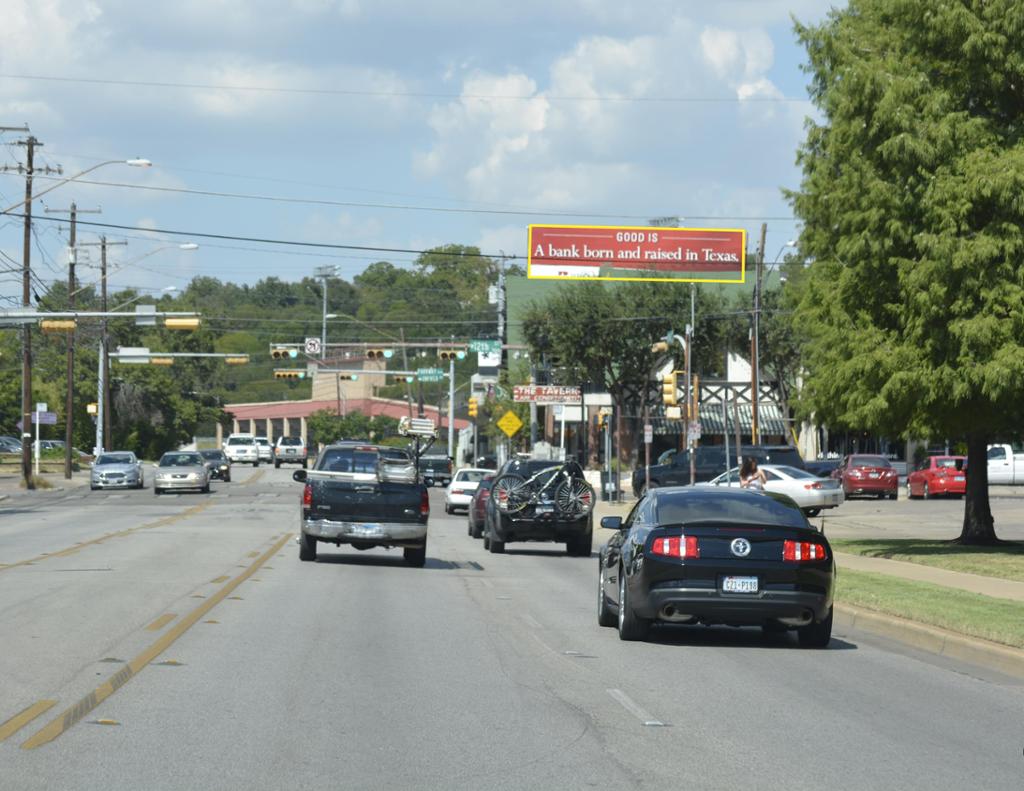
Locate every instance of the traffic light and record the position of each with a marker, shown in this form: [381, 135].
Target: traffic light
[57, 325]
[668, 389]
[472, 407]
[241, 359]
[181, 323]
[289, 373]
[379, 354]
[399, 378]
[281, 353]
[348, 377]
[446, 355]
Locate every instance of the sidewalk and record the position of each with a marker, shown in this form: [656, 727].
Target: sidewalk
[10, 483]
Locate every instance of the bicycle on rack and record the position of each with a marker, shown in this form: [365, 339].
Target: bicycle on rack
[552, 490]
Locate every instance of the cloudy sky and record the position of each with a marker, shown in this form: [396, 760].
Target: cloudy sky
[393, 124]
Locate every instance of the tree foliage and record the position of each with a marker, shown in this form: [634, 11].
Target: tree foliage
[912, 211]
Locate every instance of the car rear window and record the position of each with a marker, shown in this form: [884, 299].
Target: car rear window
[869, 461]
[721, 505]
[241, 441]
[793, 472]
[349, 460]
[395, 454]
[471, 476]
[953, 464]
[289, 441]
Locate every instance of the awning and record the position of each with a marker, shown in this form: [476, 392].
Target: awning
[770, 420]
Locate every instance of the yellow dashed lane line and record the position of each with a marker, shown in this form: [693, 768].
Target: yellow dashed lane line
[69, 717]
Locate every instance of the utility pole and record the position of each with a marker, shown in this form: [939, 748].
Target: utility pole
[451, 402]
[103, 434]
[405, 365]
[755, 340]
[69, 401]
[30, 143]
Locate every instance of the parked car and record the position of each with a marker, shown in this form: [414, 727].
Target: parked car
[181, 470]
[116, 470]
[460, 491]
[673, 468]
[1005, 464]
[475, 512]
[289, 450]
[264, 450]
[688, 555]
[823, 468]
[807, 490]
[241, 448]
[539, 516]
[10, 444]
[219, 464]
[436, 469]
[938, 475]
[870, 475]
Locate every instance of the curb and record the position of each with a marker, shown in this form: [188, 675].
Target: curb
[933, 640]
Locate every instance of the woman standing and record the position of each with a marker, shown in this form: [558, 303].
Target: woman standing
[751, 476]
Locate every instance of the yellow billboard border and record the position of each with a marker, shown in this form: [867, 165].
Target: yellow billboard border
[743, 255]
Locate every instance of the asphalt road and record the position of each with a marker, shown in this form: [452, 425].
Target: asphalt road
[184, 646]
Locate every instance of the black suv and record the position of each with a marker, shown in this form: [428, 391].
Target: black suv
[710, 462]
[536, 525]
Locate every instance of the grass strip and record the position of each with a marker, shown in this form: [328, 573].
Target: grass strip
[998, 620]
[1005, 561]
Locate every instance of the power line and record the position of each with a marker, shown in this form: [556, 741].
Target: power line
[412, 94]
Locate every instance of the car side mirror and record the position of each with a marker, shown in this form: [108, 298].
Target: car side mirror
[611, 522]
[299, 475]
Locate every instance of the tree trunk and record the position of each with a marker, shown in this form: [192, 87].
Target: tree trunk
[979, 526]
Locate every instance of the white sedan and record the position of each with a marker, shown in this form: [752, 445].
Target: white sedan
[809, 491]
[460, 491]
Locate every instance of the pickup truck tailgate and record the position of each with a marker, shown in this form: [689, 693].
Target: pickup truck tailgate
[357, 501]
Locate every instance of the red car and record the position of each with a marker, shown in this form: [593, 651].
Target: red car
[938, 475]
[868, 475]
[477, 504]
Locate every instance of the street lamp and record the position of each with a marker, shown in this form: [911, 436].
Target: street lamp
[135, 163]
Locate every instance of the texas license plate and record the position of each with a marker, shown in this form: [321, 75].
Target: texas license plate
[873, 474]
[367, 530]
[959, 479]
[739, 584]
[545, 508]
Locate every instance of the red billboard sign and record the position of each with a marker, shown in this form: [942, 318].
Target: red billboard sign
[598, 252]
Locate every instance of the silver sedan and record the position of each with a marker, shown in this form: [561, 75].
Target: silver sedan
[119, 469]
[181, 470]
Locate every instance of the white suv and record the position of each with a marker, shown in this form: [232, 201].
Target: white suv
[264, 449]
[290, 450]
[242, 449]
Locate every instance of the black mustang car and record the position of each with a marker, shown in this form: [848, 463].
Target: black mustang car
[689, 555]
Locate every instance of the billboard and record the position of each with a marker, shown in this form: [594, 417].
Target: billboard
[600, 252]
[547, 394]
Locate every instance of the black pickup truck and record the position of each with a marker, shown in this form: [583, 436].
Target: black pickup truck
[351, 498]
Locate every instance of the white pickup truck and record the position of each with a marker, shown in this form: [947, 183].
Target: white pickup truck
[1005, 464]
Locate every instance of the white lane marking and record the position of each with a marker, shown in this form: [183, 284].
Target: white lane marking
[634, 708]
[529, 620]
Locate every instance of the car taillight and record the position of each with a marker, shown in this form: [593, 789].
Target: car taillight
[484, 494]
[424, 503]
[676, 547]
[815, 485]
[803, 551]
[307, 495]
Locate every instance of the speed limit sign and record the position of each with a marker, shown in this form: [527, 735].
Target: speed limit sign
[312, 346]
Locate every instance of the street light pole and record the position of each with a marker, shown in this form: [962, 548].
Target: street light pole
[755, 429]
[324, 272]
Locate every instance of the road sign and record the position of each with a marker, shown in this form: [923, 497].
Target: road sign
[41, 406]
[42, 418]
[429, 374]
[648, 434]
[693, 429]
[510, 423]
[485, 346]
[547, 394]
[312, 346]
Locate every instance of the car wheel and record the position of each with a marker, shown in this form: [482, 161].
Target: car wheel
[303, 465]
[277, 465]
[816, 634]
[416, 556]
[580, 546]
[206, 489]
[910, 492]
[447, 510]
[605, 616]
[496, 547]
[156, 490]
[475, 530]
[894, 495]
[925, 493]
[631, 627]
[255, 464]
[469, 527]
[812, 511]
[94, 488]
[227, 479]
[487, 541]
[307, 547]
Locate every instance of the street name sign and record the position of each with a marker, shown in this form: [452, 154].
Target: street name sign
[510, 423]
[547, 394]
[429, 374]
[600, 252]
[485, 346]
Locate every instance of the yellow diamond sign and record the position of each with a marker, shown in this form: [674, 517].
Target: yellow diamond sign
[510, 423]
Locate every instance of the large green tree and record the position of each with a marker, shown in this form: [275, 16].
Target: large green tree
[912, 211]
